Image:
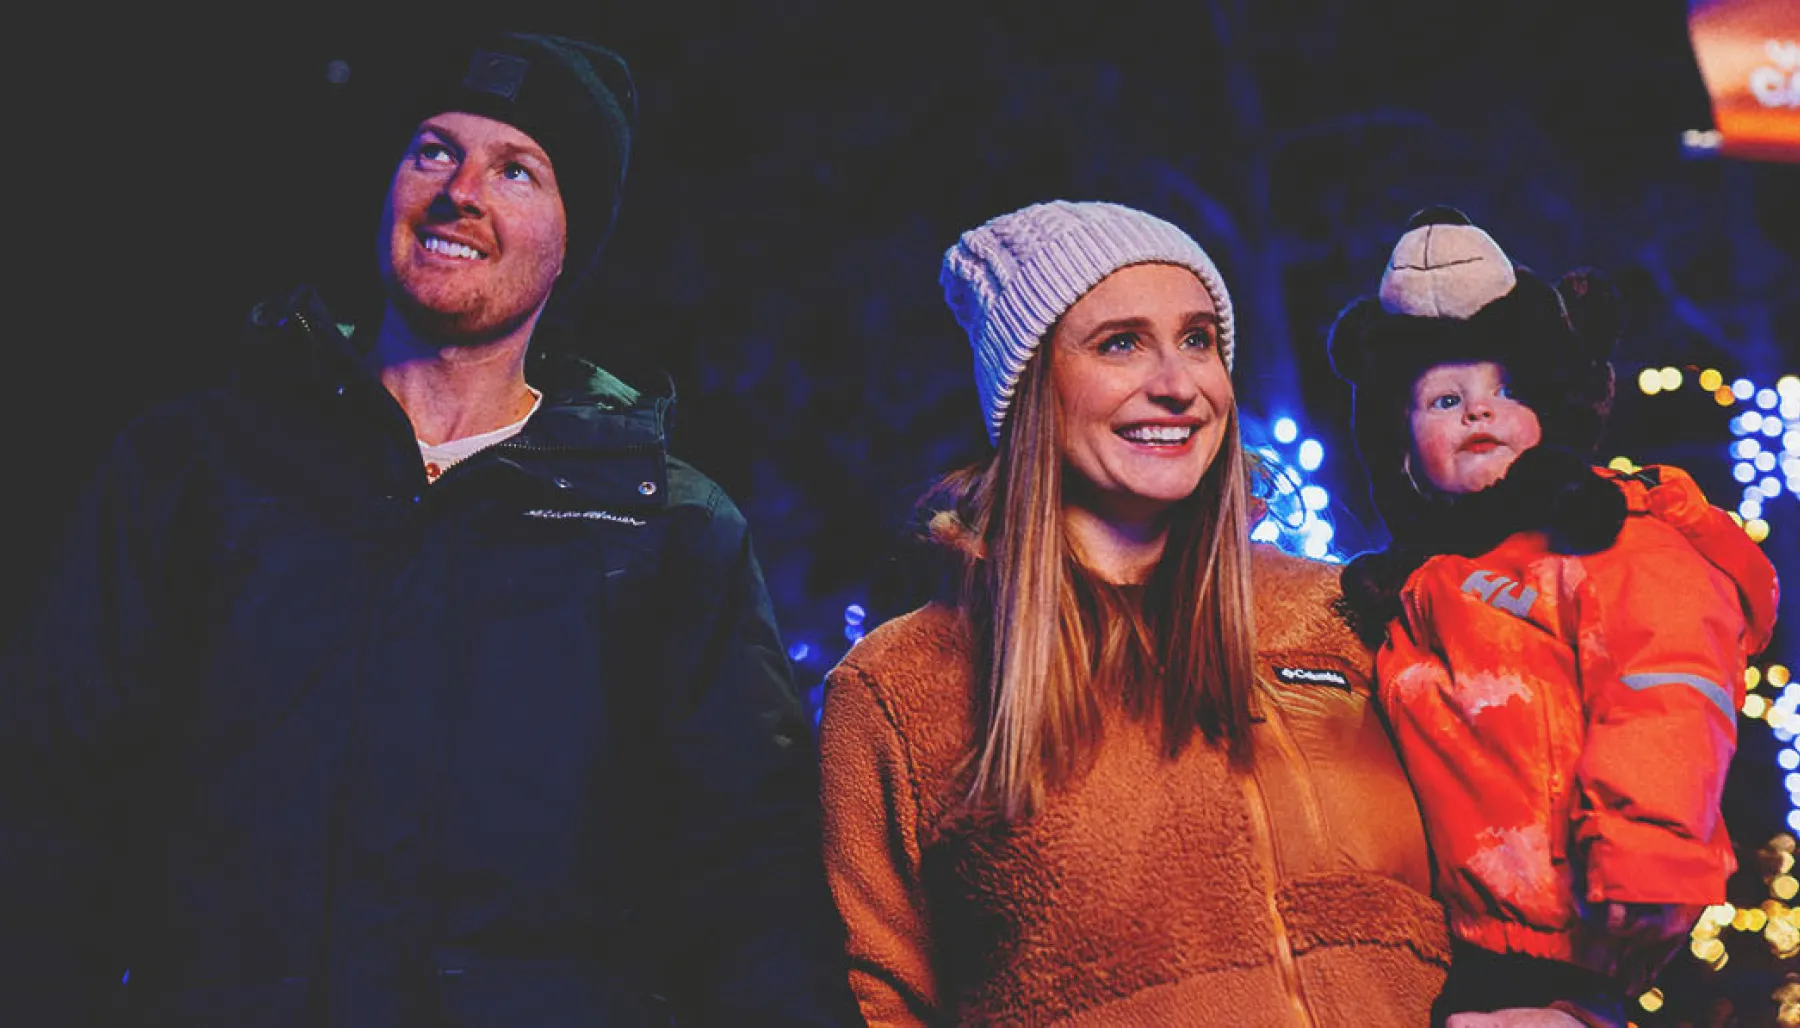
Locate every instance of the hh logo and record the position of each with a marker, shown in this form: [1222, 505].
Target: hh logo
[1502, 592]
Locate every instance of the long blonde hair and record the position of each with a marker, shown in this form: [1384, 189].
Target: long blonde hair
[1050, 634]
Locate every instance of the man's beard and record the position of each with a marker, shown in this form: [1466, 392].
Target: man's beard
[473, 325]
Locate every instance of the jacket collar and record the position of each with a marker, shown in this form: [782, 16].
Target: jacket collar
[294, 342]
[296, 347]
[1547, 489]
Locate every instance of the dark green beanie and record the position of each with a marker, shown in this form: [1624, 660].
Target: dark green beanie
[576, 99]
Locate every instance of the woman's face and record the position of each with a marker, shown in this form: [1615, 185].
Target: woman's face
[1466, 427]
[1142, 392]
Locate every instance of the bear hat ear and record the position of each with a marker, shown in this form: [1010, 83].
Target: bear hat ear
[1595, 311]
[1444, 267]
[1350, 343]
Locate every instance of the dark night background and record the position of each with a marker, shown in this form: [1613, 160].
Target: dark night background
[799, 170]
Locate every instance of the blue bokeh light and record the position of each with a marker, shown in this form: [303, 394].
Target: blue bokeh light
[1312, 454]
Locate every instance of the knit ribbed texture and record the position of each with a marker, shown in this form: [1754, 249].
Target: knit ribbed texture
[1010, 279]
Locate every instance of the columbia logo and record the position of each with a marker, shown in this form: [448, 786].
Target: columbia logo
[1312, 676]
[587, 515]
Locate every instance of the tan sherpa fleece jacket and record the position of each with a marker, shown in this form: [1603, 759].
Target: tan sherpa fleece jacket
[1150, 891]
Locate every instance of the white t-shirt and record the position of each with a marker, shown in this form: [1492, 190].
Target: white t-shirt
[445, 455]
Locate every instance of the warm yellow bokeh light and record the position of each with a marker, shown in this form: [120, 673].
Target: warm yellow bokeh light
[1752, 677]
[1784, 887]
[1782, 841]
[1778, 675]
[1724, 397]
[1720, 914]
[1736, 518]
[1671, 379]
[1711, 380]
[1706, 950]
[1782, 937]
[1651, 1000]
[1650, 381]
[1622, 464]
[1755, 707]
[1756, 920]
[1757, 528]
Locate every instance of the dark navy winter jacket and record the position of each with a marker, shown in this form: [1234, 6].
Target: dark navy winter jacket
[300, 740]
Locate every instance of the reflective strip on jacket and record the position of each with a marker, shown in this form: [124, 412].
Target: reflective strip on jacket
[1568, 721]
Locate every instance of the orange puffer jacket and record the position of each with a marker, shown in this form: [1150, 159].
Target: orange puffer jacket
[1568, 720]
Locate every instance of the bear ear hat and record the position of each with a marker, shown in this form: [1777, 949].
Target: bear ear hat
[1595, 311]
[1348, 344]
[1444, 267]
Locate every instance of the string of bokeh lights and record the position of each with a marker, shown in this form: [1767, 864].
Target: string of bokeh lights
[1765, 455]
[1765, 446]
[1765, 463]
[1295, 517]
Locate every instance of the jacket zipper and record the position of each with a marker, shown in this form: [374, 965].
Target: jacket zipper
[475, 462]
[512, 444]
[1309, 797]
[1264, 832]
[626, 448]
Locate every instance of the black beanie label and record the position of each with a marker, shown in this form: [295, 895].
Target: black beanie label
[498, 75]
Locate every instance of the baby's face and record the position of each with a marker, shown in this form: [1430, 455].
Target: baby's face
[1467, 428]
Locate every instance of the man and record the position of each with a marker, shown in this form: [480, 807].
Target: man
[407, 680]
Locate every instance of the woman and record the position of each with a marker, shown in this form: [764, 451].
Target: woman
[1128, 772]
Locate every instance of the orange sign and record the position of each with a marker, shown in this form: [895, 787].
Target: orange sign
[1749, 57]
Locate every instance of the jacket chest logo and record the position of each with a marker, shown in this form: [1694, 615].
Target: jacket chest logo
[1312, 676]
[1501, 592]
[588, 515]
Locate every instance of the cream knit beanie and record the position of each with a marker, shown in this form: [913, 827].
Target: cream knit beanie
[1010, 279]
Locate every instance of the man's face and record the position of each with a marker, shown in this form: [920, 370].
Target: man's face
[473, 230]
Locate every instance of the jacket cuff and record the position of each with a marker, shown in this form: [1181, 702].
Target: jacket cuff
[1631, 862]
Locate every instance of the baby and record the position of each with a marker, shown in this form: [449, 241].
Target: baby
[1560, 647]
